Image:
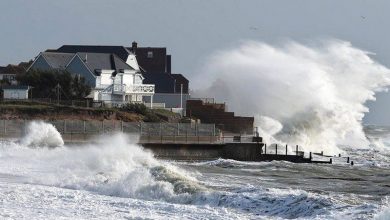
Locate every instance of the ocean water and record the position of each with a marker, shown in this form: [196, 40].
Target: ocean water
[116, 179]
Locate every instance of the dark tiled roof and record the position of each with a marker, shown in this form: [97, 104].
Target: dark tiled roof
[103, 61]
[94, 61]
[57, 60]
[120, 51]
[158, 63]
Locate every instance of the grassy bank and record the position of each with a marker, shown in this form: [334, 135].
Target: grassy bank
[31, 110]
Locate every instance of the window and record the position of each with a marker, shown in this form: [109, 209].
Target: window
[150, 54]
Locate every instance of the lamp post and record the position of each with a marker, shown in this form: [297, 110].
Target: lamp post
[181, 96]
[58, 93]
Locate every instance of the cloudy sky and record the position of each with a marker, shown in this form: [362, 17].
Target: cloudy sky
[192, 30]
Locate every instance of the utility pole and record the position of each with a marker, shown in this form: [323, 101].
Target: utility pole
[181, 96]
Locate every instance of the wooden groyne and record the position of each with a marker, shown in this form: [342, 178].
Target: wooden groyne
[241, 151]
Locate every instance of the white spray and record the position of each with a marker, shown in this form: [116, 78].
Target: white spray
[312, 96]
[41, 134]
[114, 165]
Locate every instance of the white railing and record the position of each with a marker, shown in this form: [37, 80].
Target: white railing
[119, 88]
[102, 86]
[131, 89]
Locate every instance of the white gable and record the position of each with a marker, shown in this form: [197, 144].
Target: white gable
[132, 61]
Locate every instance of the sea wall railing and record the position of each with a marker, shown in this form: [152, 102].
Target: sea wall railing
[72, 130]
[75, 103]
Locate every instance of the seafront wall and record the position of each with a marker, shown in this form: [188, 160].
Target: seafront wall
[242, 151]
[166, 140]
[186, 151]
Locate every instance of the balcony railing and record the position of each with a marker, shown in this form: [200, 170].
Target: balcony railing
[102, 86]
[133, 89]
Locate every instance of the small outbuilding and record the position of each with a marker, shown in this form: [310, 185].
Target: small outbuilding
[15, 92]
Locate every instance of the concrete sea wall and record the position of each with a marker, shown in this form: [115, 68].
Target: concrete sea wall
[235, 151]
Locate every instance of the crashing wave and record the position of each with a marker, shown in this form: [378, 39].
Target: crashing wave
[41, 134]
[313, 96]
[118, 167]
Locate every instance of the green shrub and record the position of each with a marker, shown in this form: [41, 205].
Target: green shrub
[151, 117]
[45, 83]
[138, 108]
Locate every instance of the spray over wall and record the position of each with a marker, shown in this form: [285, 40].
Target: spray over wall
[313, 96]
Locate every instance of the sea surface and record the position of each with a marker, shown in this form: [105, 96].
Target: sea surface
[116, 179]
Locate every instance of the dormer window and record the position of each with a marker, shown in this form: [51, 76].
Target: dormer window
[150, 54]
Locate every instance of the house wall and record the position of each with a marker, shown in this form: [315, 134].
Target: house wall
[77, 67]
[41, 64]
[164, 83]
[138, 79]
[171, 100]
[10, 77]
[132, 61]
[125, 78]
[105, 79]
[15, 94]
[128, 79]
[157, 63]
[135, 98]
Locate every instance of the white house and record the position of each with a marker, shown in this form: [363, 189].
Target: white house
[6, 76]
[112, 80]
[15, 92]
[171, 90]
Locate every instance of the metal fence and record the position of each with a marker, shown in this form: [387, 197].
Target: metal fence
[148, 132]
[79, 103]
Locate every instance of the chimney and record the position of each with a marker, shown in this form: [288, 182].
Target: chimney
[168, 65]
[134, 46]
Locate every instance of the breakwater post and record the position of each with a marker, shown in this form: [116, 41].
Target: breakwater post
[276, 149]
[286, 149]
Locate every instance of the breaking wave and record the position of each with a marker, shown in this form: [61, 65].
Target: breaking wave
[117, 166]
[39, 133]
[313, 96]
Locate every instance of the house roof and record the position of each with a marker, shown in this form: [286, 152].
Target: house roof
[94, 61]
[103, 61]
[57, 60]
[120, 51]
[157, 63]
